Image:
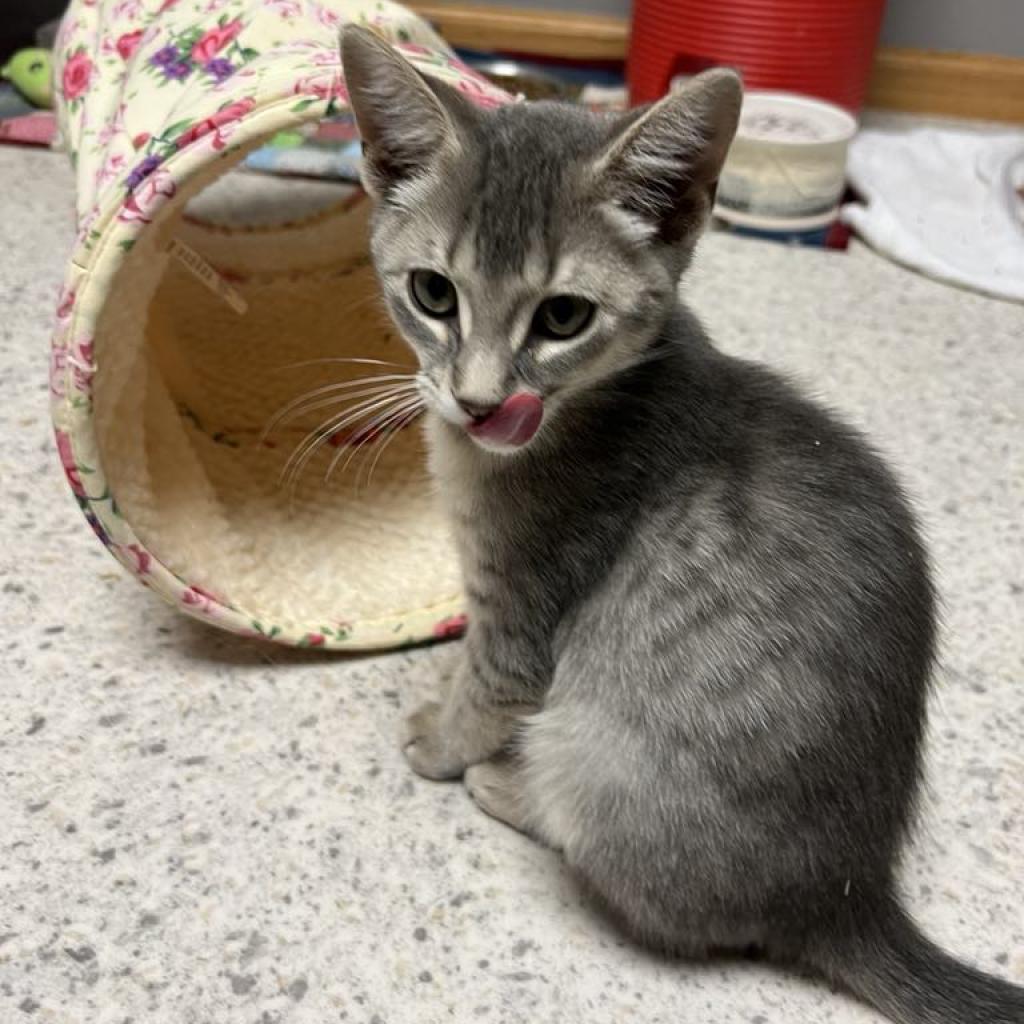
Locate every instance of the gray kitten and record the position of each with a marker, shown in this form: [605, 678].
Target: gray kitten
[701, 620]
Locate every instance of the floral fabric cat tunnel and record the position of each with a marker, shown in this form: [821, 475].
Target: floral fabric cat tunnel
[177, 339]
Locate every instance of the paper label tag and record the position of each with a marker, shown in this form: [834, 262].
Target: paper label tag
[216, 282]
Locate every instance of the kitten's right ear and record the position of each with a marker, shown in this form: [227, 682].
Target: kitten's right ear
[404, 125]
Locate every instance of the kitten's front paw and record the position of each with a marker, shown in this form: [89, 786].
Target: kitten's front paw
[425, 747]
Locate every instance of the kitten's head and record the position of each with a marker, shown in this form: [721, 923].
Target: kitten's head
[531, 252]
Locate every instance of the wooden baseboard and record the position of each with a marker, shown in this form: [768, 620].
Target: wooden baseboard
[981, 86]
[527, 30]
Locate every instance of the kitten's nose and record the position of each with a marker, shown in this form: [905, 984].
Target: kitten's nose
[478, 409]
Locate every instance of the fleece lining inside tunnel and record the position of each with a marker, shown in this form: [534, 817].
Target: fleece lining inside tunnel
[187, 386]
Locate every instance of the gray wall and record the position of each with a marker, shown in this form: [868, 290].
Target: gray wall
[978, 26]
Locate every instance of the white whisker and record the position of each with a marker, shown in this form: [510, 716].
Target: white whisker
[360, 303]
[343, 359]
[339, 392]
[298, 459]
[326, 429]
[393, 431]
[381, 431]
[366, 431]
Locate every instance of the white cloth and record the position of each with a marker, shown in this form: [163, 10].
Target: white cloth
[946, 203]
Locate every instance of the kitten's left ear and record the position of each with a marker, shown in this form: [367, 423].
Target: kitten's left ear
[664, 164]
[408, 122]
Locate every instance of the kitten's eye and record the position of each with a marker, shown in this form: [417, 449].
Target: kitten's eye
[562, 316]
[434, 293]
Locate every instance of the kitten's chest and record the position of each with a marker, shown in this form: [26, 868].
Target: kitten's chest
[498, 530]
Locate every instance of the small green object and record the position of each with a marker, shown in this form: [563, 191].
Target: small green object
[31, 73]
[287, 139]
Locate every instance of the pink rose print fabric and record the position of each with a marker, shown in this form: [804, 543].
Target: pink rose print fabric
[77, 75]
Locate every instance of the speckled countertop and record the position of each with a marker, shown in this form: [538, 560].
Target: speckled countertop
[196, 829]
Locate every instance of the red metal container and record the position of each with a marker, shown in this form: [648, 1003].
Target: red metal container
[821, 48]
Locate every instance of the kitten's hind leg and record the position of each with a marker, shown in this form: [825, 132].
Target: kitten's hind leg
[496, 786]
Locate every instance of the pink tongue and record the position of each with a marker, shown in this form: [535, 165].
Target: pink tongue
[514, 422]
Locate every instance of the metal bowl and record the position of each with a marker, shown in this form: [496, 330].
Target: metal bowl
[529, 80]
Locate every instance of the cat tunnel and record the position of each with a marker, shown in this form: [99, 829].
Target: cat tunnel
[179, 338]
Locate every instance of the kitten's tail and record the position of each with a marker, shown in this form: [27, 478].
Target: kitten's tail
[892, 966]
